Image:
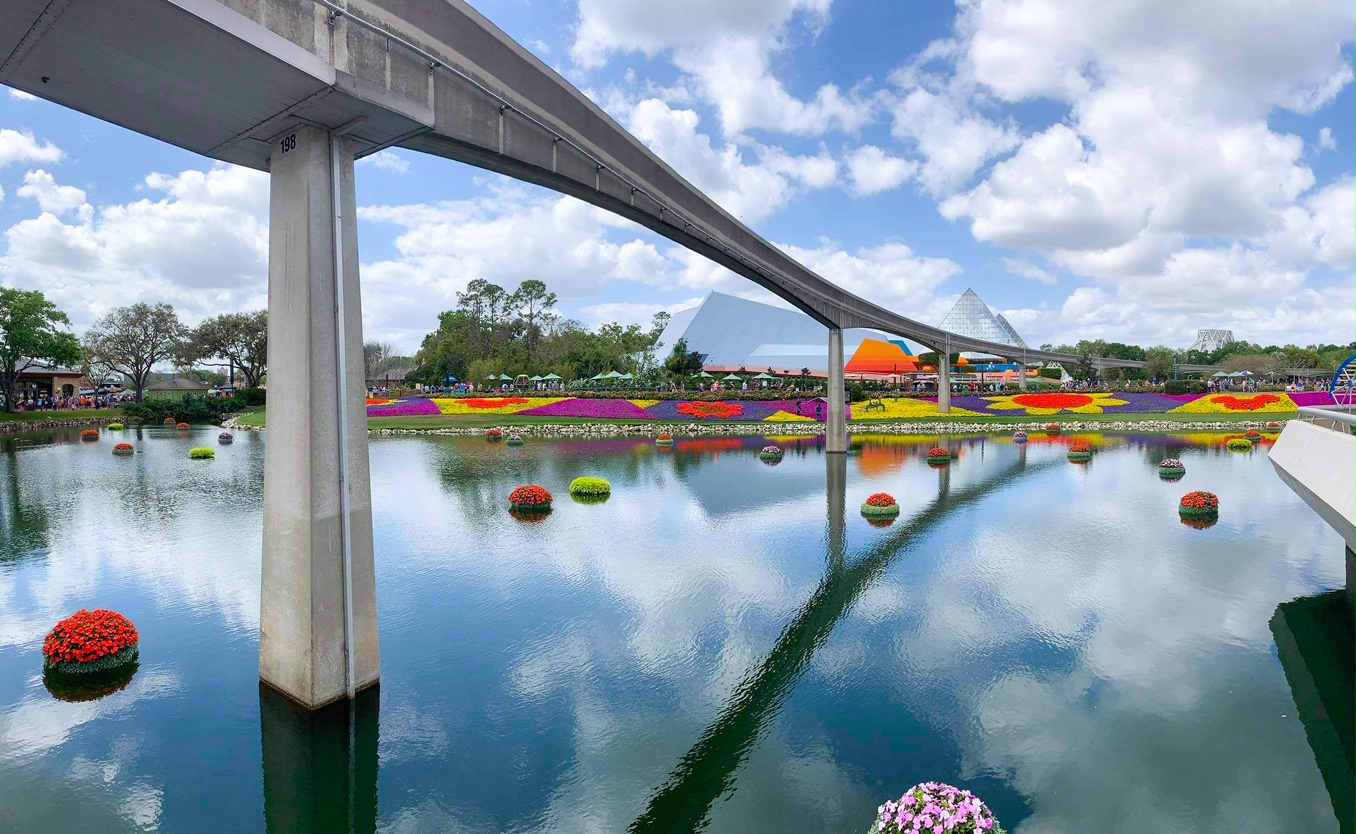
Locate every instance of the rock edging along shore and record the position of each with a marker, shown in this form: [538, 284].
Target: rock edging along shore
[11, 426]
[930, 427]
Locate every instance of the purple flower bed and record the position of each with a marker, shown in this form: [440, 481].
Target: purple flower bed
[751, 411]
[412, 407]
[1146, 403]
[608, 409]
[1311, 398]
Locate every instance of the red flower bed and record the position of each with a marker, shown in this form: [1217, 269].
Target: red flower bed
[530, 497]
[704, 410]
[1052, 400]
[881, 499]
[82, 640]
[1252, 403]
[497, 402]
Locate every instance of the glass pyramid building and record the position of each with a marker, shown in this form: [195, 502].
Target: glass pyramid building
[972, 317]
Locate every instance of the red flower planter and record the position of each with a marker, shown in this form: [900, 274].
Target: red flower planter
[90, 641]
[89, 434]
[530, 499]
[1199, 506]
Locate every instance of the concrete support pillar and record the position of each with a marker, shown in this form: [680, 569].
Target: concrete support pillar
[944, 383]
[836, 490]
[1021, 376]
[318, 612]
[835, 426]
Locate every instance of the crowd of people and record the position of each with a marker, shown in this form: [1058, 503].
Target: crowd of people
[41, 401]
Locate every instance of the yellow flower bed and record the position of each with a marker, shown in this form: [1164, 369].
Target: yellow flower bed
[1053, 402]
[487, 405]
[906, 408]
[1263, 403]
[644, 403]
[787, 417]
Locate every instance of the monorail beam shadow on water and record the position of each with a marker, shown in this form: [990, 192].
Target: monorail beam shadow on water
[706, 772]
[1314, 639]
[320, 767]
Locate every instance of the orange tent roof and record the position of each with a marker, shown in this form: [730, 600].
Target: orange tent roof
[876, 357]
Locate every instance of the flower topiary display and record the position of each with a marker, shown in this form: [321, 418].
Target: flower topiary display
[936, 807]
[123, 449]
[590, 487]
[181, 425]
[770, 454]
[1253, 435]
[1080, 451]
[1239, 444]
[880, 505]
[514, 440]
[1019, 436]
[1199, 505]
[494, 435]
[664, 439]
[939, 456]
[115, 426]
[1052, 428]
[169, 421]
[530, 498]
[89, 641]
[89, 434]
[202, 453]
[1272, 425]
[1171, 469]
[225, 438]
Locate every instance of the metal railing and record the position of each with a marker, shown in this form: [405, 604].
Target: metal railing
[1338, 418]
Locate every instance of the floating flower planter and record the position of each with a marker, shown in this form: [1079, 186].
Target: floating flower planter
[123, 449]
[514, 440]
[77, 689]
[1200, 523]
[169, 421]
[1019, 437]
[1239, 444]
[664, 439]
[89, 434]
[1272, 425]
[530, 498]
[880, 522]
[494, 435]
[1171, 469]
[1199, 506]
[770, 454]
[937, 456]
[1080, 451]
[115, 427]
[881, 505]
[590, 487]
[89, 641]
[181, 426]
[202, 453]
[225, 438]
[1052, 428]
[932, 807]
[1253, 436]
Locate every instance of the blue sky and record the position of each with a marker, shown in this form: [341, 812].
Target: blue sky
[1123, 170]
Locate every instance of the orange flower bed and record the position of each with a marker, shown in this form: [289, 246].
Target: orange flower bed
[90, 641]
[1052, 400]
[1252, 403]
[705, 410]
[496, 402]
[530, 498]
[377, 400]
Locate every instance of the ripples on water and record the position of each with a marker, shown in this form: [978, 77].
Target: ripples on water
[722, 645]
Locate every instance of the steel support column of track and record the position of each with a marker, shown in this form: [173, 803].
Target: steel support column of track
[835, 427]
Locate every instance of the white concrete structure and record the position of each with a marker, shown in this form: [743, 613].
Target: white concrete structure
[1319, 463]
[1209, 341]
[319, 590]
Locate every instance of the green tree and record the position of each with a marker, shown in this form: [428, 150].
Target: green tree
[32, 332]
[682, 362]
[239, 338]
[1158, 362]
[132, 340]
[531, 301]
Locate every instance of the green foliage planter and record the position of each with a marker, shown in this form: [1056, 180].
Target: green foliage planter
[514, 440]
[1171, 469]
[115, 427]
[1239, 444]
[590, 487]
[202, 453]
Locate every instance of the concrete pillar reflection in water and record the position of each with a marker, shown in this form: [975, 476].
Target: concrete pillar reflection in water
[835, 426]
[836, 490]
[320, 767]
[318, 596]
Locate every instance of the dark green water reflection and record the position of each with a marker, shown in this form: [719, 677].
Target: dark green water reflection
[722, 645]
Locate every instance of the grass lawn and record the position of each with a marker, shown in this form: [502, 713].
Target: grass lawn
[74, 414]
[445, 421]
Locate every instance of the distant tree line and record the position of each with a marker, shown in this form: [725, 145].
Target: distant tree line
[492, 331]
[1262, 361]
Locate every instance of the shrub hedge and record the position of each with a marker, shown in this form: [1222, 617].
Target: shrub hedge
[194, 408]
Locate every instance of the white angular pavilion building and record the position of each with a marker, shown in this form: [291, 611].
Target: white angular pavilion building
[972, 317]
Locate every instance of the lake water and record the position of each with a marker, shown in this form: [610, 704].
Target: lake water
[722, 645]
